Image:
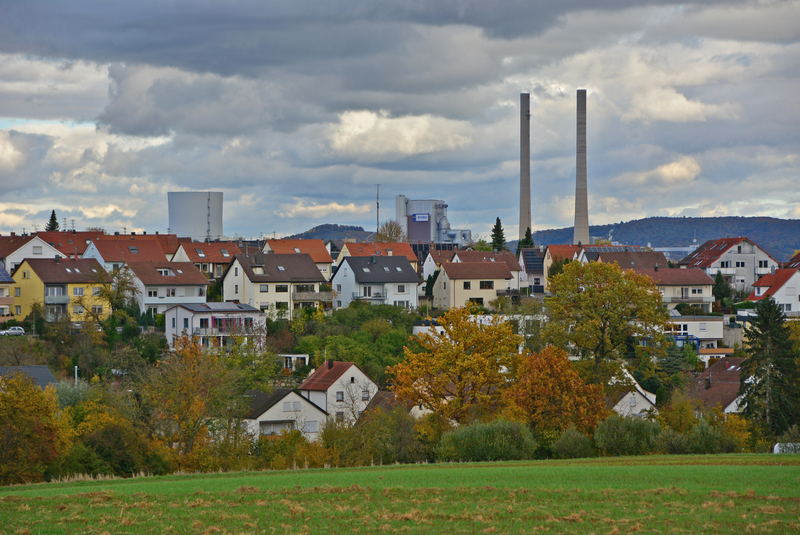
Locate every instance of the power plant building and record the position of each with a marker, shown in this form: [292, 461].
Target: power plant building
[196, 214]
[425, 221]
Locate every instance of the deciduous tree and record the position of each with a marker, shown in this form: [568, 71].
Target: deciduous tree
[390, 232]
[461, 369]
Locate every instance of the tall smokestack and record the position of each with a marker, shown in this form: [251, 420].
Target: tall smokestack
[581, 204]
[524, 163]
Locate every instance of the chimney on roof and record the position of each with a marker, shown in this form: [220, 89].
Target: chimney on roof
[372, 259]
[330, 364]
[708, 381]
[13, 234]
[116, 233]
[656, 268]
[58, 258]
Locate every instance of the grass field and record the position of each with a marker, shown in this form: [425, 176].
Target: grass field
[654, 494]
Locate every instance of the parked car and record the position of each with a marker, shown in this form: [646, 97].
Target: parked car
[13, 331]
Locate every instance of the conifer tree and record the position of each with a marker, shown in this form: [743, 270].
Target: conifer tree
[526, 242]
[52, 225]
[498, 237]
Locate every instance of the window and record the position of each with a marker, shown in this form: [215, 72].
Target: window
[78, 310]
[236, 273]
[287, 406]
[367, 291]
[702, 327]
[200, 253]
[338, 304]
[204, 323]
[739, 249]
[224, 253]
[304, 288]
[399, 269]
[152, 292]
[697, 291]
[338, 287]
[54, 291]
[281, 268]
[77, 292]
[97, 309]
[17, 310]
[725, 264]
[185, 323]
[264, 288]
[536, 281]
[170, 292]
[296, 249]
[133, 249]
[95, 291]
[26, 274]
[467, 285]
[386, 269]
[173, 323]
[180, 271]
[365, 395]
[487, 285]
[340, 396]
[401, 288]
[282, 288]
[310, 426]
[17, 292]
[37, 249]
[296, 405]
[366, 269]
[739, 264]
[340, 417]
[282, 305]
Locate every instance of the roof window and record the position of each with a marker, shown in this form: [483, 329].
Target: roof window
[399, 268]
[133, 249]
[200, 253]
[385, 268]
[296, 249]
[179, 271]
[281, 268]
[366, 269]
[77, 270]
[224, 253]
[69, 270]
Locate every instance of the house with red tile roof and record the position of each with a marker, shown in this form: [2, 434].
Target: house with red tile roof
[692, 286]
[70, 242]
[719, 385]
[462, 283]
[14, 249]
[793, 263]
[434, 261]
[507, 257]
[115, 253]
[558, 252]
[380, 249]
[161, 285]
[783, 286]
[739, 260]
[314, 248]
[210, 258]
[342, 389]
[169, 242]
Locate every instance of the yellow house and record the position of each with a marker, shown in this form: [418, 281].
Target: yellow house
[62, 285]
[460, 283]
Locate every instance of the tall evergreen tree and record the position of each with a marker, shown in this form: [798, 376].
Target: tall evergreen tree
[770, 384]
[498, 237]
[52, 225]
[526, 242]
[722, 289]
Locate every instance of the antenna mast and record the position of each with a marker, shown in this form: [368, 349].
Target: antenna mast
[378, 205]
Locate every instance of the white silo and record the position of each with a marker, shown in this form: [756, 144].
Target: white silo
[195, 214]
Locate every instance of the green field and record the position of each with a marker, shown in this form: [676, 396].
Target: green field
[654, 494]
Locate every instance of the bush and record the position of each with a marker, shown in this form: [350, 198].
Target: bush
[673, 442]
[626, 436]
[790, 440]
[707, 439]
[572, 444]
[500, 440]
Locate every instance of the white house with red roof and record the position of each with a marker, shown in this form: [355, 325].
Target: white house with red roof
[342, 389]
[314, 248]
[115, 253]
[692, 286]
[380, 249]
[161, 285]
[211, 259]
[14, 249]
[782, 286]
[557, 252]
[740, 261]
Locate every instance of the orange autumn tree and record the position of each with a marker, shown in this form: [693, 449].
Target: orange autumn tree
[552, 396]
[462, 369]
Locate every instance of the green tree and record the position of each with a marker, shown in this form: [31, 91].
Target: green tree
[557, 267]
[722, 289]
[390, 232]
[498, 237]
[526, 242]
[770, 377]
[52, 225]
[482, 245]
[605, 314]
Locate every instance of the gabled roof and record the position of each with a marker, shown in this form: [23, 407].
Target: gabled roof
[66, 270]
[532, 259]
[708, 253]
[182, 273]
[773, 282]
[611, 248]
[566, 252]
[719, 384]
[439, 257]
[476, 270]
[315, 248]
[381, 249]
[634, 259]
[326, 375]
[380, 269]
[126, 250]
[70, 242]
[212, 252]
[9, 244]
[794, 262]
[677, 276]
[280, 268]
[169, 242]
[41, 375]
[261, 402]
[507, 257]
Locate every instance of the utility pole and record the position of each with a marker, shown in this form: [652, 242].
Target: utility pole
[378, 213]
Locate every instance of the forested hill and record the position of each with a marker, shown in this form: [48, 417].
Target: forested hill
[333, 232]
[779, 237]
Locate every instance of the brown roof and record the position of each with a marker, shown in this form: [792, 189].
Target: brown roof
[326, 375]
[71, 242]
[772, 281]
[563, 251]
[9, 244]
[385, 249]
[280, 268]
[506, 257]
[315, 248]
[708, 253]
[442, 256]
[66, 270]
[677, 277]
[476, 270]
[794, 262]
[213, 252]
[123, 249]
[719, 384]
[169, 242]
[634, 259]
[185, 273]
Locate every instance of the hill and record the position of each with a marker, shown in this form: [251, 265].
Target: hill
[333, 232]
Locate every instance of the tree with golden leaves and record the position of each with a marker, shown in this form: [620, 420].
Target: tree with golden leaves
[390, 232]
[462, 369]
[604, 314]
[551, 396]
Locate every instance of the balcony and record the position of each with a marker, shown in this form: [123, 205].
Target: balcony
[56, 299]
[508, 292]
[312, 296]
[6, 301]
[376, 296]
[696, 299]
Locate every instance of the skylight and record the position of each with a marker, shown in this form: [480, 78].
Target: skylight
[133, 249]
[399, 268]
[179, 271]
[224, 252]
[281, 268]
[366, 269]
[69, 270]
[296, 249]
[386, 269]
[77, 270]
[200, 253]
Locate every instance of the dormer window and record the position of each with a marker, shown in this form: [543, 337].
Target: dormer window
[133, 249]
[200, 253]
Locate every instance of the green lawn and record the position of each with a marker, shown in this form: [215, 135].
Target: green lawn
[655, 494]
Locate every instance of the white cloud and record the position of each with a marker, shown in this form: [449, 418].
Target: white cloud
[302, 208]
[679, 172]
[10, 156]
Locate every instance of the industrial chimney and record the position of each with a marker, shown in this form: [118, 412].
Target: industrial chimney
[524, 164]
[581, 229]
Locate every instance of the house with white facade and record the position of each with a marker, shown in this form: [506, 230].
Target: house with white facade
[215, 324]
[341, 389]
[461, 283]
[14, 249]
[283, 410]
[531, 263]
[739, 260]
[116, 253]
[161, 285]
[6, 296]
[211, 258]
[378, 280]
[281, 284]
[555, 253]
[691, 286]
[782, 286]
[700, 331]
[314, 248]
[433, 262]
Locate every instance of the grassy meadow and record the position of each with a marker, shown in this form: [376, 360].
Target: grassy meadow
[654, 494]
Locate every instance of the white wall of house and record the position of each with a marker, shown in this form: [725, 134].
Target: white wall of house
[707, 329]
[36, 248]
[787, 296]
[292, 412]
[346, 399]
[179, 320]
[743, 264]
[634, 403]
[162, 297]
[344, 285]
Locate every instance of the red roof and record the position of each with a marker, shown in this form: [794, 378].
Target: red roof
[677, 276]
[719, 384]
[566, 252]
[442, 256]
[315, 248]
[67, 270]
[169, 242]
[708, 253]
[182, 273]
[384, 249]
[214, 252]
[9, 244]
[124, 249]
[794, 262]
[773, 282]
[476, 270]
[507, 257]
[326, 375]
[71, 242]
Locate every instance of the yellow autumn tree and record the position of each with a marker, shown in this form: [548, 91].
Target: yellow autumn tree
[462, 369]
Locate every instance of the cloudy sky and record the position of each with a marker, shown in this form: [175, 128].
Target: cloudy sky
[297, 109]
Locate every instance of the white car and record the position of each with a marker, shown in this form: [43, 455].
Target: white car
[13, 331]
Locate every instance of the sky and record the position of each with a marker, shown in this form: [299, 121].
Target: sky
[296, 110]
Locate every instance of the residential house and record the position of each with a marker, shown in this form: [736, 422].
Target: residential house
[70, 242]
[740, 261]
[512, 285]
[169, 243]
[380, 249]
[783, 287]
[719, 385]
[633, 259]
[555, 253]
[115, 253]
[215, 324]
[314, 248]
[161, 285]
[793, 263]
[590, 253]
[278, 283]
[6, 295]
[434, 260]
[211, 259]
[378, 280]
[637, 402]
[531, 263]
[692, 286]
[701, 331]
[41, 375]
[460, 283]
[706, 355]
[65, 286]
[283, 410]
[14, 249]
[341, 389]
